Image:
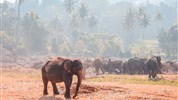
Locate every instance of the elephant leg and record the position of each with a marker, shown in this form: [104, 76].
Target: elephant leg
[97, 71]
[68, 83]
[150, 71]
[154, 74]
[102, 70]
[55, 90]
[71, 78]
[45, 82]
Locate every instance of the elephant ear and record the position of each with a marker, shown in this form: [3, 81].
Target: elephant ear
[68, 66]
[77, 65]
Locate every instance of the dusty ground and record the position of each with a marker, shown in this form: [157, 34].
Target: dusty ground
[26, 84]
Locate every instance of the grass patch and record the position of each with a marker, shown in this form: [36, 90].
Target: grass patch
[123, 79]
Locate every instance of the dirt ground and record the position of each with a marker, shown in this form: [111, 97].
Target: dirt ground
[26, 84]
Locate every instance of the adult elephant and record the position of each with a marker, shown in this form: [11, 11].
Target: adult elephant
[136, 65]
[154, 66]
[125, 68]
[114, 66]
[62, 70]
[98, 64]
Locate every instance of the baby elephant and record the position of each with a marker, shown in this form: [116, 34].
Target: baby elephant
[62, 70]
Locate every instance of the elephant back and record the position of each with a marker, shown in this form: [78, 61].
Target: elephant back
[97, 62]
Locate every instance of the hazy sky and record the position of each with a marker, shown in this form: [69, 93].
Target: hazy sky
[113, 1]
[140, 1]
[7, 0]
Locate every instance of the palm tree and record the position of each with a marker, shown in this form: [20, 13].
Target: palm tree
[69, 5]
[128, 20]
[159, 18]
[18, 18]
[143, 20]
[3, 7]
[92, 22]
[56, 24]
[83, 11]
[128, 24]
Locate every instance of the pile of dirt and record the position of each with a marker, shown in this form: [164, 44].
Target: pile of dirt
[87, 89]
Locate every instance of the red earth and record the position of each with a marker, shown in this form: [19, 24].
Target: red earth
[26, 84]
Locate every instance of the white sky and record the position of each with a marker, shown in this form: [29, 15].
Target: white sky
[139, 1]
[7, 0]
[136, 1]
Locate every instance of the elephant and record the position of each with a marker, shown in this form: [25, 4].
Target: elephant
[170, 67]
[98, 64]
[136, 65]
[125, 68]
[62, 70]
[154, 66]
[114, 66]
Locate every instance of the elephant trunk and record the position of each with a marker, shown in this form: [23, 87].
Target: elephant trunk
[79, 76]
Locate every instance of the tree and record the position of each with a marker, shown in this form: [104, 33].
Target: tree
[8, 18]
[56, 25]
[128, 20]
[18, 18]
[92, 22]
[83, 11]
[69, 5]
[159, 18]
[128, 24]
[168, 42]
[34, 32]
[143, 21]
[54, 48]
[3, 7]
[83, 14]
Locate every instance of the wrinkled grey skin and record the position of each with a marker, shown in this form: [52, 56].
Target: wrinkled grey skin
[170, 66]
[114, 67]
[61, 70]
[125, 68]
[136, 66]
[154, 66]
[98, 64]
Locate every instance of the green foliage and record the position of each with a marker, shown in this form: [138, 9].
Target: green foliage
[74, 26]
[92, 22]
[83, 11]
[35, 32]
[69, 5]
[168, 42]
[159, 17]
[129, 20]
[55, 48]
[149, 46]
[6, 38]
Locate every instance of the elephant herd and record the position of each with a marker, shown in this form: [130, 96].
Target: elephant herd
[62, 70]
[131, 66]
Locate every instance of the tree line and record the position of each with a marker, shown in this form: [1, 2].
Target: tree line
[78, 28]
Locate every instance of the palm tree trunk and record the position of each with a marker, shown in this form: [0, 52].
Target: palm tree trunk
[18, 19]
[142, 51]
